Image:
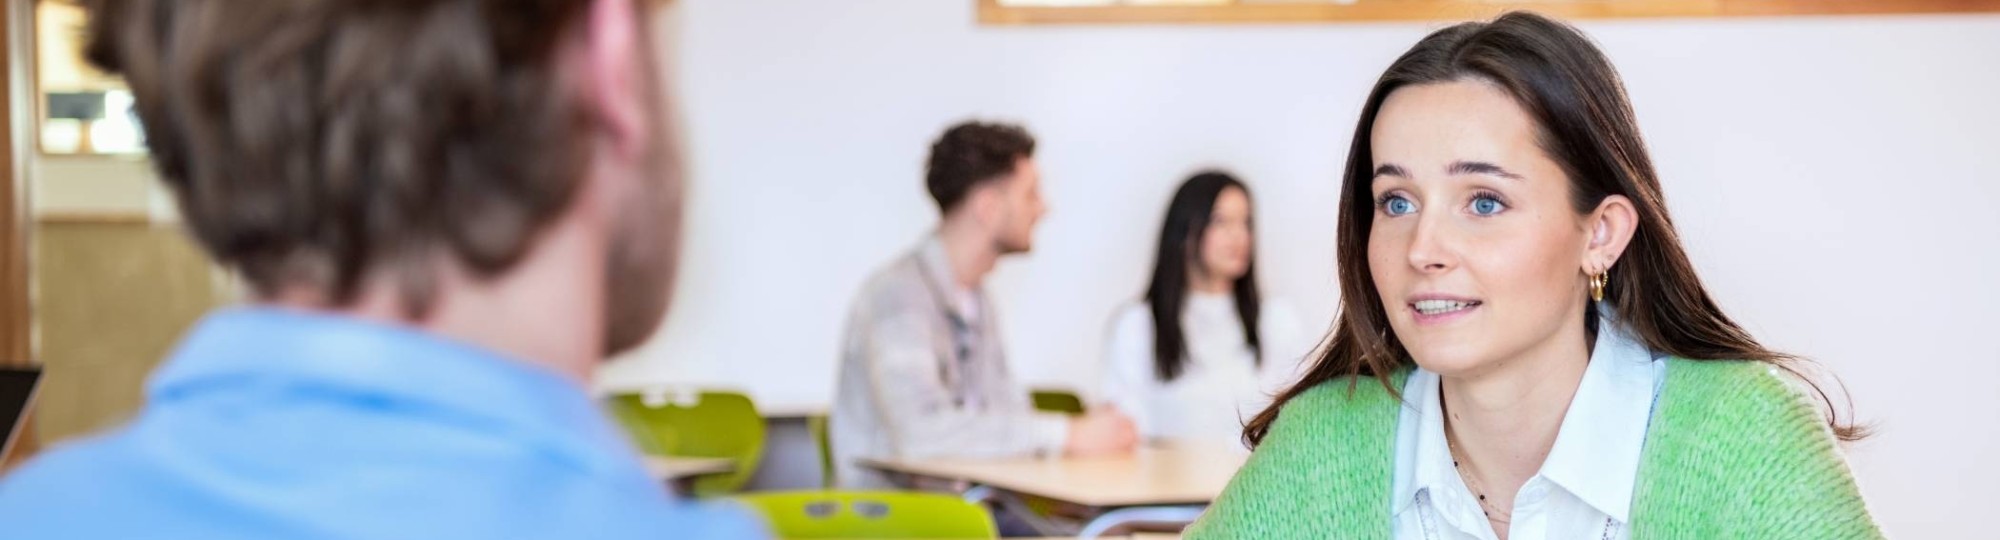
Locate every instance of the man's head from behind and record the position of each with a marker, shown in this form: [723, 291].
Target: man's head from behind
[983, 176]
[339, 152]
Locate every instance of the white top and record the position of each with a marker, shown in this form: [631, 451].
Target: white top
[1584, 489]
[1220, 387]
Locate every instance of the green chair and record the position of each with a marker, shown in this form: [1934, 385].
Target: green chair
[1055, 401]
[715, 424]
[817, 424]
[1058, 401]
[870, 514]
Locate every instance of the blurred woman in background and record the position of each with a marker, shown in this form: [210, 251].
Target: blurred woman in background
[1203, 351]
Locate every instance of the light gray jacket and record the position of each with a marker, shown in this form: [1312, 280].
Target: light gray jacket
[905, 392]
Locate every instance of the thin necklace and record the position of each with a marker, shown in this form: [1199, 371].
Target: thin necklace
[1504, 517]
[1485, 507]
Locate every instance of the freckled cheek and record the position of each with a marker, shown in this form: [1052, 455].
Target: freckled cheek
[1388, 259]
[1535, 265]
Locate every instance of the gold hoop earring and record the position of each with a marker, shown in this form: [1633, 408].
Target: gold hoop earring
[1597, 283]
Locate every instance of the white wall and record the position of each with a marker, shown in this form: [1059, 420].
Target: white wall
[1835, 179]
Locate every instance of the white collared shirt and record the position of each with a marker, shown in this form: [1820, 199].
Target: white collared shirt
[1584, 488]
[1223, 382]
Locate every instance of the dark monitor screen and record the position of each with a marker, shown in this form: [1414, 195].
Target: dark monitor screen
[16, 386]
[76, 105]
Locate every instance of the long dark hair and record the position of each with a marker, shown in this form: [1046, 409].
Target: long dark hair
[1586, 126]
[1188, 217]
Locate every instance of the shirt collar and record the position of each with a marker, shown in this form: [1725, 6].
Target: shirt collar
[399, 369]
[936, 267]
[1596, 452]
[1423, 443]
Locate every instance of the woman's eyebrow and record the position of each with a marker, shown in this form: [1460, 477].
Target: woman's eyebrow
[1479, 167]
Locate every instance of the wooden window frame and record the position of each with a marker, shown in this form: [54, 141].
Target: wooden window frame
[992, 13]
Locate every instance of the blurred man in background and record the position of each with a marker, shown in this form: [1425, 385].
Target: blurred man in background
[450, 211]
[922, 374]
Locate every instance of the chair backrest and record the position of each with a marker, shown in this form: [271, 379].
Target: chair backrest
[817, 425]
[871, 514]
[714, 424]
[1059, 401]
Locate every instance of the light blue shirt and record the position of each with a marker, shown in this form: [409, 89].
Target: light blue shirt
[274, 424]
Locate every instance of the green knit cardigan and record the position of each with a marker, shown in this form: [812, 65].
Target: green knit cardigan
[1733, 451]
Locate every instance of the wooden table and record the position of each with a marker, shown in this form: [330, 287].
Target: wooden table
[1167, 479]
[1152, 476]
[674, 468]
[1139, 536]
[782, 410]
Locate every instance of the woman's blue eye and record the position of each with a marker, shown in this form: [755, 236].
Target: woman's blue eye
[1396, 206]
[1486, 206]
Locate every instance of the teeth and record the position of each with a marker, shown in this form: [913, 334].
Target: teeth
[1434, 307]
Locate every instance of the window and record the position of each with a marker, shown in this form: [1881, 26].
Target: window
[82, 110]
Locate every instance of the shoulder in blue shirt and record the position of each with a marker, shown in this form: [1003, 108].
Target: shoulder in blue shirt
[278, 424]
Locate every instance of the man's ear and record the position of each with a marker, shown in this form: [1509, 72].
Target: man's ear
[611, 73]
[983, 203]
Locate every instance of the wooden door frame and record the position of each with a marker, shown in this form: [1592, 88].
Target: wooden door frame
[16, 239]
[16, 321]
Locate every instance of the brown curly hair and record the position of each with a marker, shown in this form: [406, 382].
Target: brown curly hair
[317, 142]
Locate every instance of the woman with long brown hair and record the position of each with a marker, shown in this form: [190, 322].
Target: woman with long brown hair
[1203, 348]
[1523, 349]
